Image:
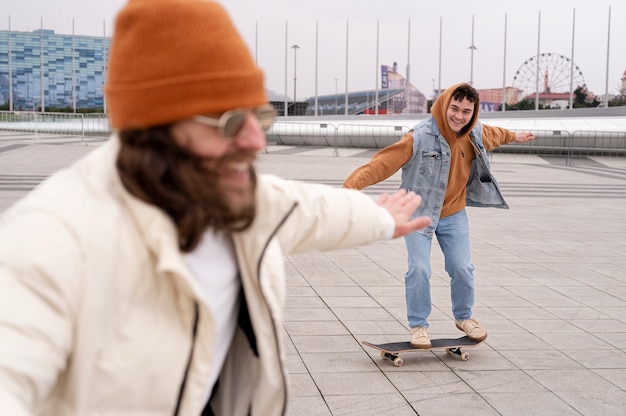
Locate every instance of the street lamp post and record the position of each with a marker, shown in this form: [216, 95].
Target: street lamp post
[472, 48]
[335, 96]
[295, 61]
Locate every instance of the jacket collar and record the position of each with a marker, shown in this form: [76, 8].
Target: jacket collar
[155, 228]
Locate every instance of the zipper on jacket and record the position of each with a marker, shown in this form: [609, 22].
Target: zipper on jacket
[276, 340]
[195, 327]
[194, 332]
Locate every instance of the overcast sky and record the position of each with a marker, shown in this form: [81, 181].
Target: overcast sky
[352, 25]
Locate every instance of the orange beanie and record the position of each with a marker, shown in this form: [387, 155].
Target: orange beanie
[173, 59]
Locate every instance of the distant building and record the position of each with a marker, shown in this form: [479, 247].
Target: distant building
[297, 108]
[396, 96]
[390, 101]
[623, 89]
[71, 69]
[491, 98]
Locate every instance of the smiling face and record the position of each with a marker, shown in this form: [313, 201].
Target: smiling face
[459, 113]
[230, 160]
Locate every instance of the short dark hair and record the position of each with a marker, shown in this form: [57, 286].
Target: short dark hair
[465, 91]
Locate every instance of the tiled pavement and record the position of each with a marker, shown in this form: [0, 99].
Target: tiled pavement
[551, 290]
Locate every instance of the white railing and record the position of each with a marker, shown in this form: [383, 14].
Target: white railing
[50, 126]
[333, 133]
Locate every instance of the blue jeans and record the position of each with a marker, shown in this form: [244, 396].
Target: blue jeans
[453, 236]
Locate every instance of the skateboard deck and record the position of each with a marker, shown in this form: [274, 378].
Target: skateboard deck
[391, 350]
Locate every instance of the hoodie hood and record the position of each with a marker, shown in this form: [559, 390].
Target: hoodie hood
[440, 108]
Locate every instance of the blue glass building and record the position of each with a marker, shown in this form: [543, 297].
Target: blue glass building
[70, 68]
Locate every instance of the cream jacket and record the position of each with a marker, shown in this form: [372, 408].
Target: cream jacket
[99, 314]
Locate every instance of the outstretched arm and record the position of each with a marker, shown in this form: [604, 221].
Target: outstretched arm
[497, 136]
[402, 206]
[383, 164]
[39, 297]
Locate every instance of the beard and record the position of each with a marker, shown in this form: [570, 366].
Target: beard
[187, 188]
[237, 193]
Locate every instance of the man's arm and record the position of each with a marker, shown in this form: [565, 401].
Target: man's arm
[38, 297]
[497, 136]
[328, 218]
[383, 164]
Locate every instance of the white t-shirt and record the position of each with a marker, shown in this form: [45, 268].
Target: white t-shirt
[214, 267]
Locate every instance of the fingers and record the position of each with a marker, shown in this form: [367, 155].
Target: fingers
[402, 205]
[522, 137]
[382, 199]
[401, 202]
[415, 224]
[385, 198]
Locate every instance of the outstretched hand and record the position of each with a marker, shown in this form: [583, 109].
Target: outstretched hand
[402, 206]
[522, 137]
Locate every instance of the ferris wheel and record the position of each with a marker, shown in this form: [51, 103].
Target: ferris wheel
[555, 71]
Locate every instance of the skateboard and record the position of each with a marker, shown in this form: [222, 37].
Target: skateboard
[391, 350]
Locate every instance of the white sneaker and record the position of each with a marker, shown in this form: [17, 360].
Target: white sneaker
[420, 338]
[472, 328]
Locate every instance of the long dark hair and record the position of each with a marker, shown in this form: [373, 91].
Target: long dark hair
[155, 169]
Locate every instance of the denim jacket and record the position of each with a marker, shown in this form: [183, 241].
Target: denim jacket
[426, 173]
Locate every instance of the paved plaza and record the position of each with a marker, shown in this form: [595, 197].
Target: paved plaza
[551, 291]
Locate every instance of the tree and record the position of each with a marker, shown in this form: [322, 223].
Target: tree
[583, 99]
[618, 101]
[525, 104]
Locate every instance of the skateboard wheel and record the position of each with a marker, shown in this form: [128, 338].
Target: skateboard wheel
[455, 351]
[397, 361]
[465, 356]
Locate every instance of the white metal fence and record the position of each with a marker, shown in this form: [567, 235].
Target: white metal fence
[335, 134]
[48, 126]
[547, 142]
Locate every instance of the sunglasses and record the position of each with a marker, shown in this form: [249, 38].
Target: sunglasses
[230, 123]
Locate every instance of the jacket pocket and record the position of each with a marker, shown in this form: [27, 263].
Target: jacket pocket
[430, 164]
